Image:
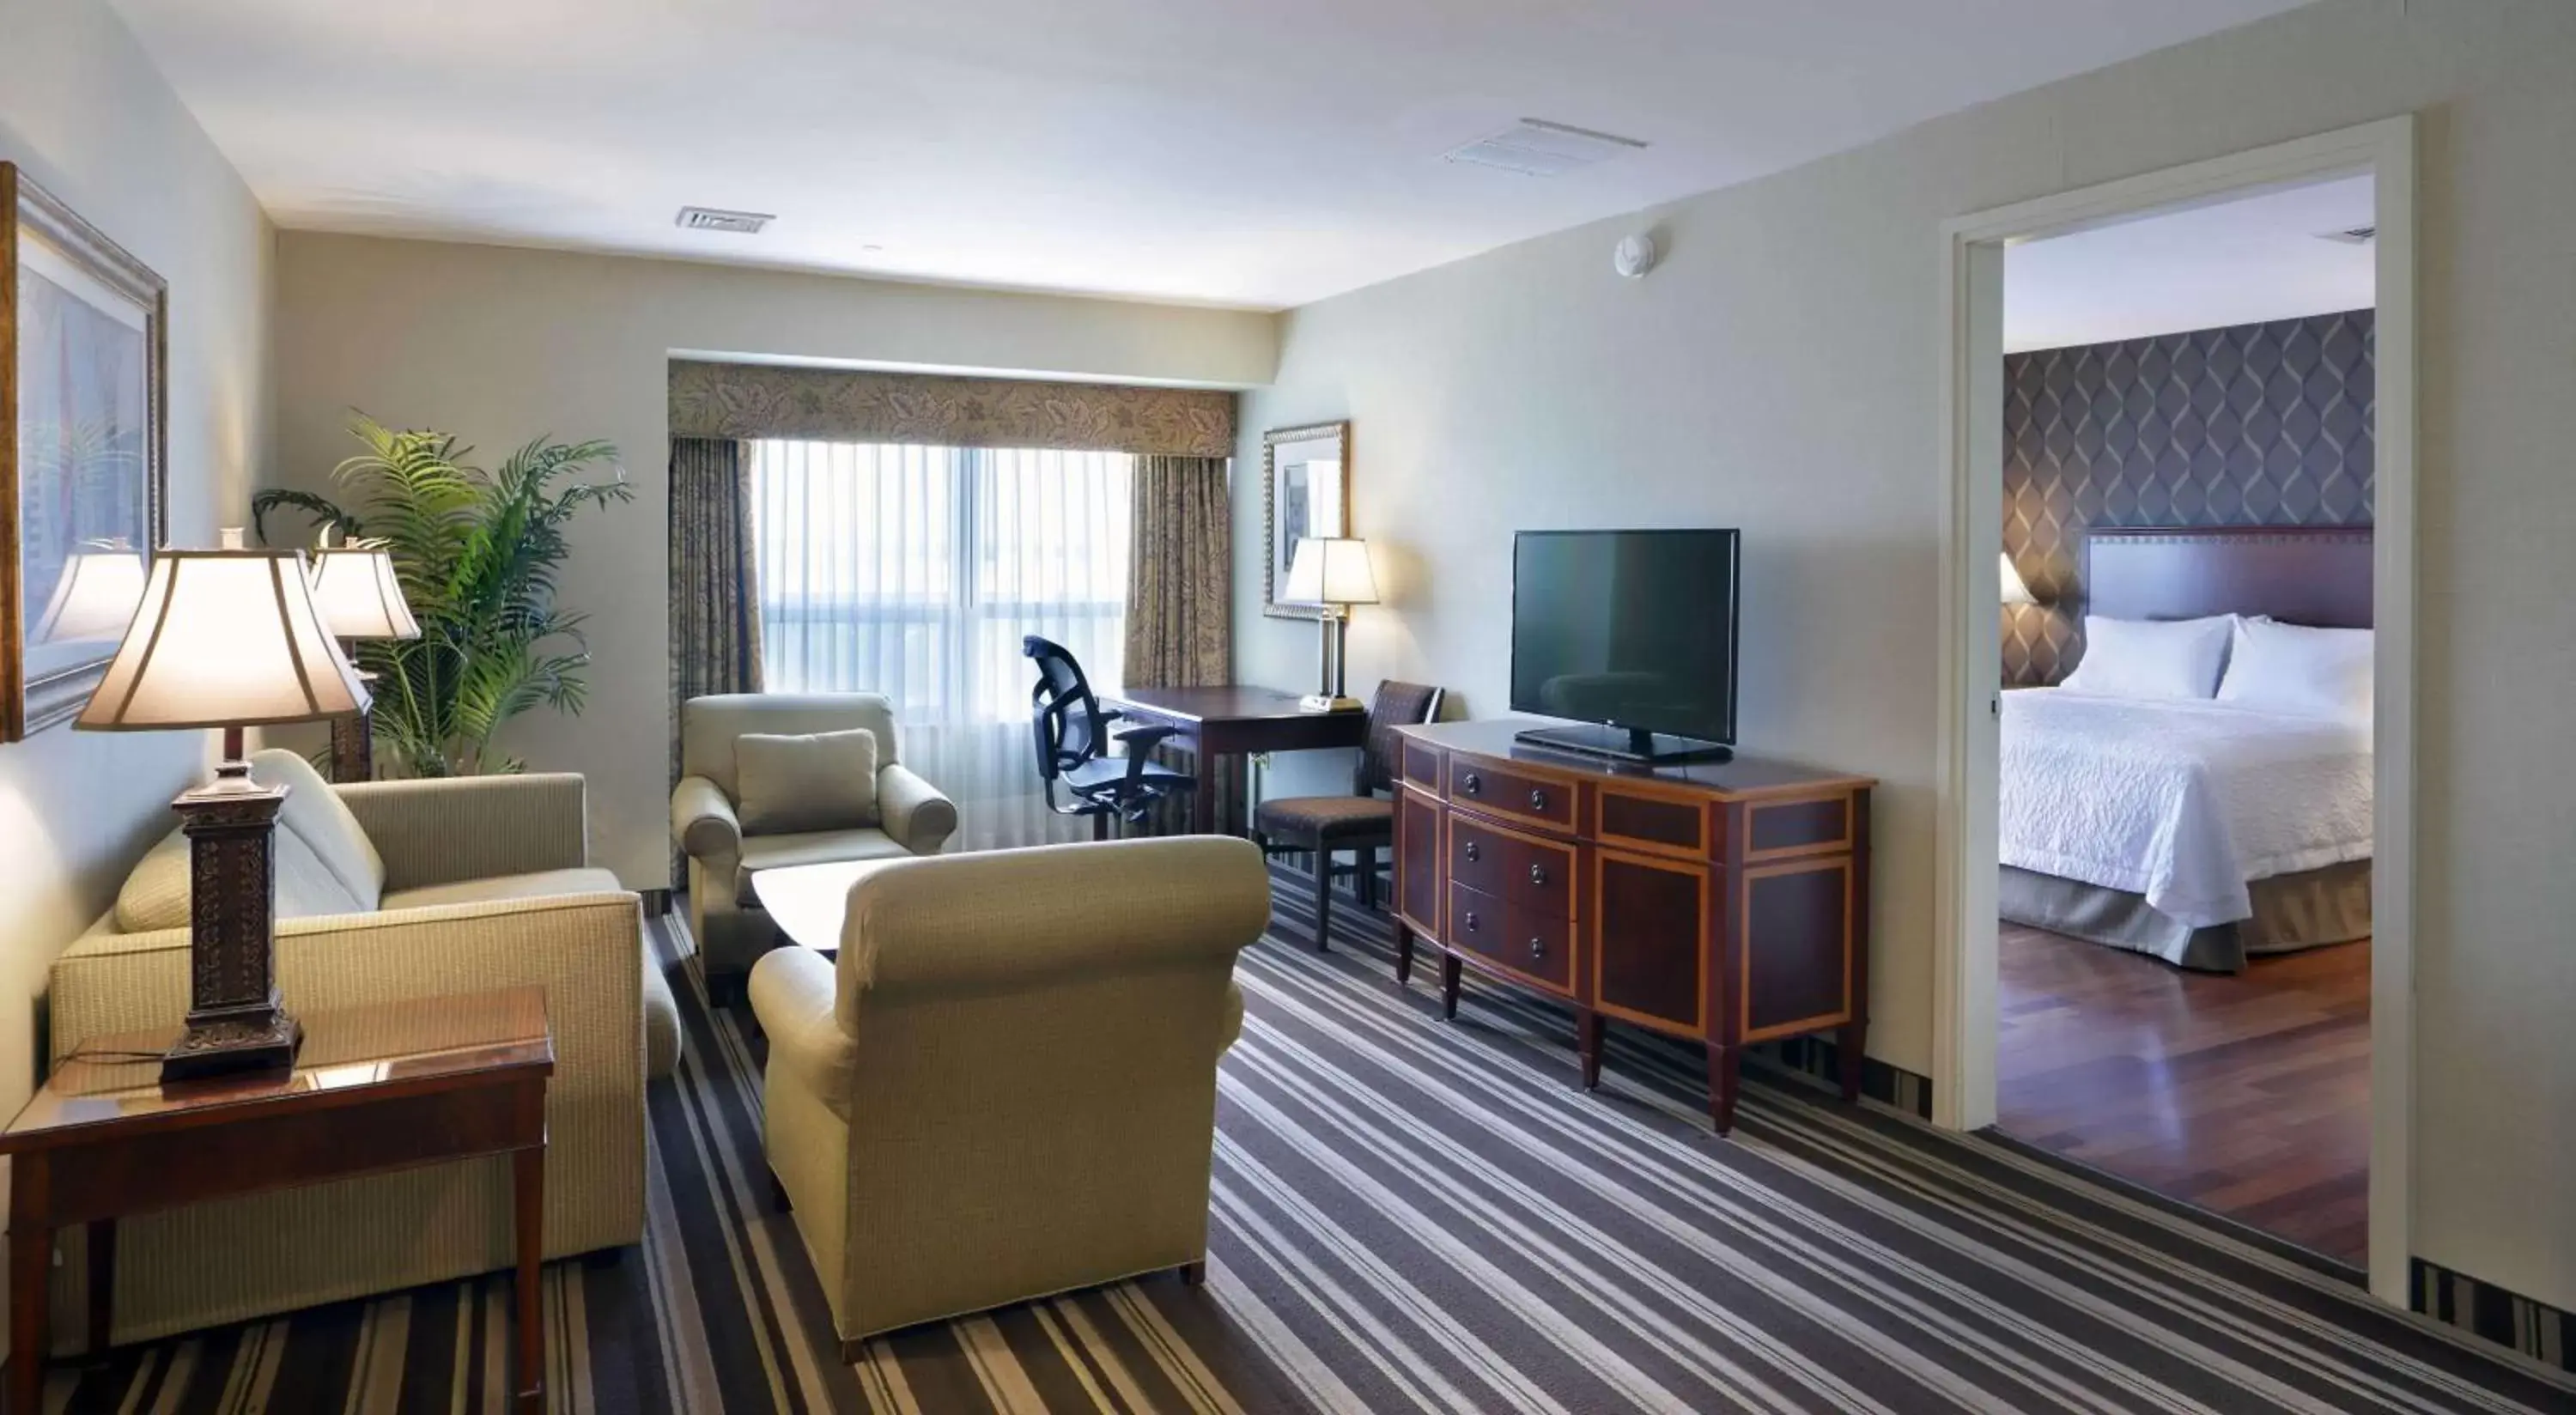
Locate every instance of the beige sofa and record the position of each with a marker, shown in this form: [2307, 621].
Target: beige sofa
[724, 908]
[1005, 1086]
[385, 892]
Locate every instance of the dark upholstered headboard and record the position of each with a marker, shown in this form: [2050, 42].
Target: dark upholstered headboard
[2318, 576]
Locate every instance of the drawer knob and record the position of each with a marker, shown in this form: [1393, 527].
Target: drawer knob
[1471, 921]
[1538, 874]
[1538, 799]
[1472, 852]
[1471, 783]
[1538, 948]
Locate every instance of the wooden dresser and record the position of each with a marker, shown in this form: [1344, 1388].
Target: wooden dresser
[1726, 902]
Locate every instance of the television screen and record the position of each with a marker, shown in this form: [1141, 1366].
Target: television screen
[1635, 629]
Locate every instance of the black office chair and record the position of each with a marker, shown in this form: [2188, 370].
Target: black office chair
[1073, 740]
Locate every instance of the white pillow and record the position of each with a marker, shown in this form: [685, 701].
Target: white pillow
[2290, 668]
[2140, 658]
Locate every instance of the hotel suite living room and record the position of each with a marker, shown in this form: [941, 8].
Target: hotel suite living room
[1628, 706]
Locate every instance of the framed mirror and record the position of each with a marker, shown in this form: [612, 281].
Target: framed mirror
[83, 451]
[1305, 491]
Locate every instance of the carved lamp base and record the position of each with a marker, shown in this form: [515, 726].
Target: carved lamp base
[236, 1021]
[263, 1039]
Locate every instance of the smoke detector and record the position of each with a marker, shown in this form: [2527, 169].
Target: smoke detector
[708, 218]
[1535, 147]
[2351, 235]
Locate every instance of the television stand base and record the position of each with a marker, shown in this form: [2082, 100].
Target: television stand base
[1626, 744]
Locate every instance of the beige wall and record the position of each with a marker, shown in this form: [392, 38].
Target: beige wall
[1780, 373]
[85, 114]
[499, 346]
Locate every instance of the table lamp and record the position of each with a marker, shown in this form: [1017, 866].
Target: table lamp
[227, 638]
[360, 597]
[1333, 572]
[2016, 589]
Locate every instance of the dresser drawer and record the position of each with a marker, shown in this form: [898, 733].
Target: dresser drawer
[1421, 765]
[1528, 944]
[1522, 870]
[1512, 791]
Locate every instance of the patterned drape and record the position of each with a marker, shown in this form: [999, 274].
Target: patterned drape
[1179, 606]
[1179, 611]
[714, 580]
[944, 410]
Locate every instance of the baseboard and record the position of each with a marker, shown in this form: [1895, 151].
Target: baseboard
[657, 902]
[2526, 1324]
[1818, 1057]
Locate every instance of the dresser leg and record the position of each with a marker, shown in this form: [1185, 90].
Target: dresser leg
[1722, 1074]
[1587, 1045]
[1848, 1055]
[1403, 955]
[1449, 986]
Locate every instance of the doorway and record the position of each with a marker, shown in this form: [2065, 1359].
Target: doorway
[1971, 940]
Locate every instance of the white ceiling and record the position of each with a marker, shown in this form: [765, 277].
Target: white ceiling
[2238, 262]
[1251, 152]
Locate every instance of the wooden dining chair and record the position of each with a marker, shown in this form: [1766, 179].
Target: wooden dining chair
[1363, 821]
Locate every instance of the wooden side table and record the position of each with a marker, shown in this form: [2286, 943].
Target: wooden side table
[377, 1088]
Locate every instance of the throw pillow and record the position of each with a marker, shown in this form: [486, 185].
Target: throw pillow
[826, 781]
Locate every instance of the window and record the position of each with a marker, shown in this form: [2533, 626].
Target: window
[915, 571]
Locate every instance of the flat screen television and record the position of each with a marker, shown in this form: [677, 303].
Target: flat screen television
[1632, 631]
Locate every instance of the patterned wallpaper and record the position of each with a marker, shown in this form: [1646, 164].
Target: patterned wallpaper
[2252, 425]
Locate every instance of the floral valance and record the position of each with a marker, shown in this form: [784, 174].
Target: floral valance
[859, 405]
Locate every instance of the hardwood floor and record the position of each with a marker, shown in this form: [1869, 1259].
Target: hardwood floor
[2246, 1095]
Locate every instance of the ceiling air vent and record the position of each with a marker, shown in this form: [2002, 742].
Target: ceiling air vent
[2351, 235]
[708, 218]
[1538, 148]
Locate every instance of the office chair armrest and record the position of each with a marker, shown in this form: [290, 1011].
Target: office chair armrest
[1140, 743]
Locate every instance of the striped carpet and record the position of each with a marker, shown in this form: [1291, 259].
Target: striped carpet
[1411, 1216]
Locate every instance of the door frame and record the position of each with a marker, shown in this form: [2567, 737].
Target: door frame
[1967, 784]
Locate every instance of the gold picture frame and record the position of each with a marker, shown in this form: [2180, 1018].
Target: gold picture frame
[84, 450]
[1305, 491]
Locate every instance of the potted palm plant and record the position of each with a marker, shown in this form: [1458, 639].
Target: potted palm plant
[478, 554]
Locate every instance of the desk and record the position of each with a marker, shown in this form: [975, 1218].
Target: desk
[1235, 720]
[375, 1088]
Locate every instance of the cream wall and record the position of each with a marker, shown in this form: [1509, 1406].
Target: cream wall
[85, 114]
[1780, 373]
[500, 345]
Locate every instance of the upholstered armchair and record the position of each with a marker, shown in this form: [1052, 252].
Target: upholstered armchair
[1004, 1085]
[909, 816]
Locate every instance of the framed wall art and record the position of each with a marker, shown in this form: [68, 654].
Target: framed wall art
[84, 450]
[1305, 491]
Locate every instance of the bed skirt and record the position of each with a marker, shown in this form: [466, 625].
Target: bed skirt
[2291, 912]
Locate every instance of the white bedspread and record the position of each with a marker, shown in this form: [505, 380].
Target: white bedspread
[2182, 802]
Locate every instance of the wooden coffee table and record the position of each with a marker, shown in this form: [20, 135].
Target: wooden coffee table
[808, 902]
[375, 1089]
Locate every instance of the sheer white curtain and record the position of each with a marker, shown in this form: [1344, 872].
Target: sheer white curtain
[914, 572]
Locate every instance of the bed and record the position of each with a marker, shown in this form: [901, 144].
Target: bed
[2200, 832]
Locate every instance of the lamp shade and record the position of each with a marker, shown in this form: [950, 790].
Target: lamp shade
[224, 638]
[96, 596]
[2016, 590]
[355, 588]
[1330, 570]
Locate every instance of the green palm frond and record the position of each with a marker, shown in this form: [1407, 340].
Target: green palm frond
[479, 555]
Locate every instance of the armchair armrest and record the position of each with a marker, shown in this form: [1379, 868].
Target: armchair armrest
[913, 811]
[473, 827]
[795, 995]
[703, 823]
